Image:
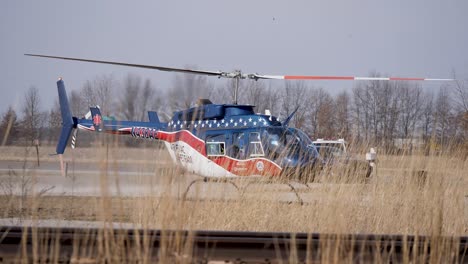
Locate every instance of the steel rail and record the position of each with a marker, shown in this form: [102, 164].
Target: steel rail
[268, 247]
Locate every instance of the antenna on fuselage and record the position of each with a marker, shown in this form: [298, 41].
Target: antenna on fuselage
[236, 90]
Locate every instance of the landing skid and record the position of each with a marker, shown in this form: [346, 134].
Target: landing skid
[205, 179]
[242, 190]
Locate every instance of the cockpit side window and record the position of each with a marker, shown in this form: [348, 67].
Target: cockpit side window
[215, 145]
[255, 145]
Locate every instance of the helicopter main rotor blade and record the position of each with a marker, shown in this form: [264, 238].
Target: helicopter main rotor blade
[312, 77]
[239, 75]
[160, 68]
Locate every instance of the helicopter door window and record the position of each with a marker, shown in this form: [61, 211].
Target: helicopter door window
[215, 146]
[237, 149]
[255, 145]
[215, 149]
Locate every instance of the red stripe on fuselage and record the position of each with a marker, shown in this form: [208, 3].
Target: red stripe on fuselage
[254, 166]
[184, 136]
[249, 167]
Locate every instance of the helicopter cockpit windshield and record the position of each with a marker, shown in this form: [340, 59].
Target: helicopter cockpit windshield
[302, 137]
[288, 142]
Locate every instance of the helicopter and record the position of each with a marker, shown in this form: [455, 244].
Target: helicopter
[214, 140]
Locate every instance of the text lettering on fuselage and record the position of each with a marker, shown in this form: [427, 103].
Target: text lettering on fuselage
[180, 153]
[144, 132]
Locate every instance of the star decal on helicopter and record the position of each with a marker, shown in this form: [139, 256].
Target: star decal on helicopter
[234, 122]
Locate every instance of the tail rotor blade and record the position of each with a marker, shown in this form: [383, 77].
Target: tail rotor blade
[73, 141]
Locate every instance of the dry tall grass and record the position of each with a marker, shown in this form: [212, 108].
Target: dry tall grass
[408, 194]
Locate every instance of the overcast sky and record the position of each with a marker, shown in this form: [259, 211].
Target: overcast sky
[417, 38]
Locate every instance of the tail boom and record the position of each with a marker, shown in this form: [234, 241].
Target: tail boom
[99, 124]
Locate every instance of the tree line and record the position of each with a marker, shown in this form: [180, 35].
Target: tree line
[387, 114]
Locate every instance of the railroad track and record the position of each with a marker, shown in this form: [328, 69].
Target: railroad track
[97, 245]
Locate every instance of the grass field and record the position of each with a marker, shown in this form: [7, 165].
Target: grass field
[398, 200]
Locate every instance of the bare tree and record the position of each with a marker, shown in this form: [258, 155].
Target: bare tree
[460, 91]
[228, 91]
[362, 113]
[54, 123]
[77, 105]
[313, 103]
[221, 94]
[385, 122]
[254, 94]
[146, 97]
[294, 97]
[157, 103]
[461, 94]
[271, 99]
[99, 92]
[130, 97]
[326, 116]
[343, 115]
[187, 89]
[411, 104]
[9, 127]
[427, 117]
[32, 116]
[443, 115]
[376, 111]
